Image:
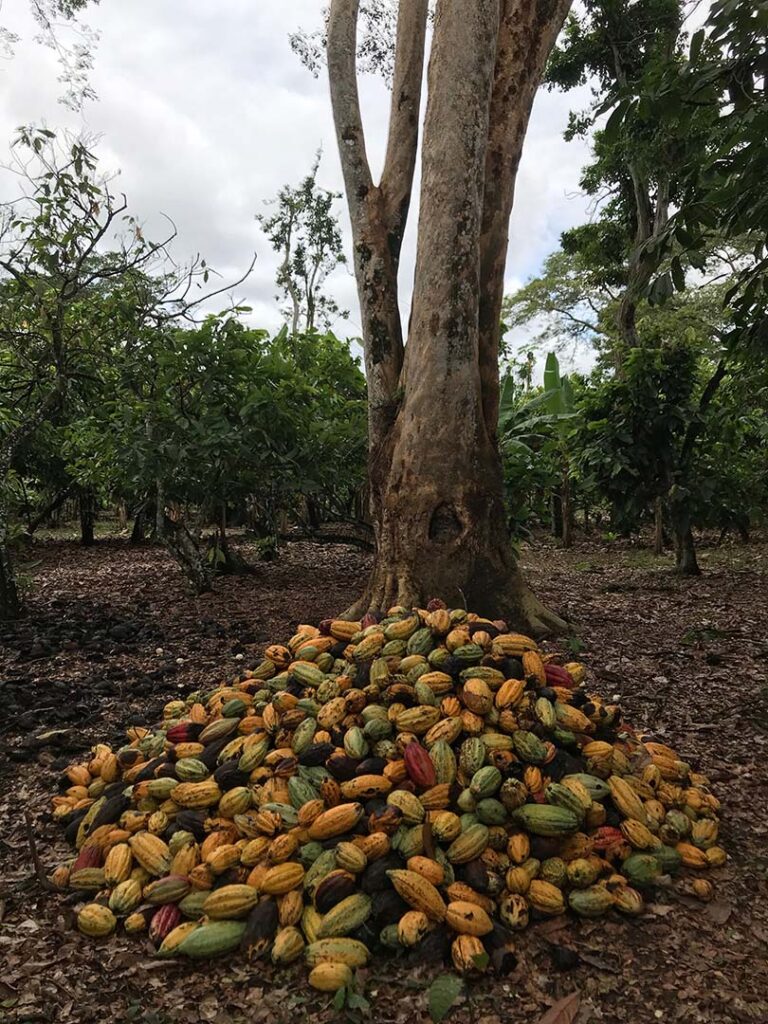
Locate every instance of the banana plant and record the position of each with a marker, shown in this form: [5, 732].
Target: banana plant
[526, 427]
[560, 404]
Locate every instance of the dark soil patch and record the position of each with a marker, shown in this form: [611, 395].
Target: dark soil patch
[112, 634]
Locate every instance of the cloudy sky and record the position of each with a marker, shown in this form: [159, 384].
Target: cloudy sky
[206, 112]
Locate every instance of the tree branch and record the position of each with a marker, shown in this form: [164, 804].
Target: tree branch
[403, 138]
[374, 258]
[577, 320]
[14, 437]
[345, 101]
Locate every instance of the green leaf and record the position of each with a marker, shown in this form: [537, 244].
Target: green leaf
[339, 998]
[443, 993]
[697, 41]
[615, 121]
[355, 1001]
[678, 274]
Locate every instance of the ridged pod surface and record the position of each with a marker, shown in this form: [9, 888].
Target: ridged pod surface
[421, 779]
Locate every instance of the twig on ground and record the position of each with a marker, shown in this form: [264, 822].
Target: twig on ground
[39, 872]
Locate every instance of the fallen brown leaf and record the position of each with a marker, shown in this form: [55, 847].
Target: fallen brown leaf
[719, 911]
[563, 1011]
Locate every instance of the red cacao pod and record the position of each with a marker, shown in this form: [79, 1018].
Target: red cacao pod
[164, 920]
[419, 765]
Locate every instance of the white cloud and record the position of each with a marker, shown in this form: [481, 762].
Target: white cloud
[207, 112]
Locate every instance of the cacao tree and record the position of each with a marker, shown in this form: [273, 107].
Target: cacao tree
[435, 476]
[78, 281]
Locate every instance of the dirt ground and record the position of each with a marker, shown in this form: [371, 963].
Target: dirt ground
[112, 634]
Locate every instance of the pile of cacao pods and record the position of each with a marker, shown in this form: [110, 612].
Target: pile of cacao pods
[428, 781]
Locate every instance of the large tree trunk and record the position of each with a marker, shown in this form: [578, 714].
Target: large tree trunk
[436, 481]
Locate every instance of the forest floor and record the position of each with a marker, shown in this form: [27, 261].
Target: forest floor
[111, 634]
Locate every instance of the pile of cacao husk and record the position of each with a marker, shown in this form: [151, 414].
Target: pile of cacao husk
[425, 782]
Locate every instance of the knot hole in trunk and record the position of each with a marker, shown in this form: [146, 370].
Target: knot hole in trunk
[445, 525]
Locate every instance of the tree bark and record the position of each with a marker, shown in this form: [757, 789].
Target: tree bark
[658, 526]
[122, 514]
[378, 213]
[138, 531]
[160, 513]
[435, 473]
[527, 32]
[685, 549]
[10, 602]
[226, 561]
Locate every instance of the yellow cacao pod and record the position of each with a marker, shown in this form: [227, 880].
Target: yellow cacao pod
[118, 864]
[412, 927]
[282, 878]
[467, 953]
[467, 918]
[427, 868]
[418, 893]
[151, 853]
[96, 920]
[336, 821]
[329, 976]
[545, 897]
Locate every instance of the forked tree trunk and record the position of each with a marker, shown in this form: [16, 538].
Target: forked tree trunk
[436, 483]
[185, 550]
